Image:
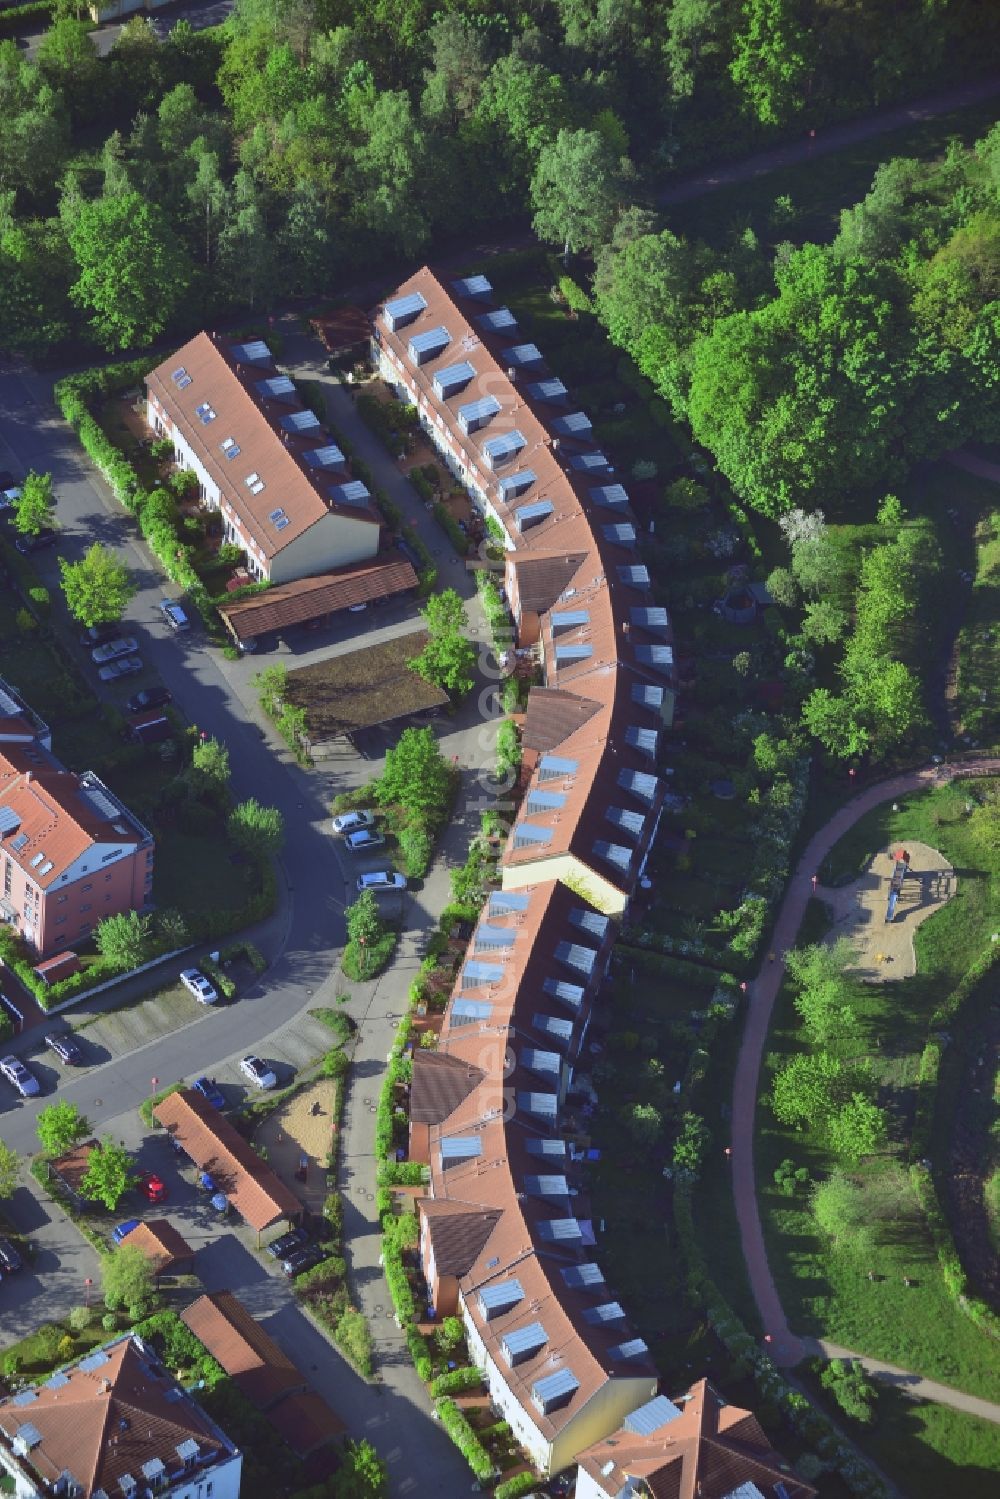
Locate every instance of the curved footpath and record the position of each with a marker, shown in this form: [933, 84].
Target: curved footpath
[784, 1347]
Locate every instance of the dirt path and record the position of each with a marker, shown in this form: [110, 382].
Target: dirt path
[827, 142]
[783, 1346]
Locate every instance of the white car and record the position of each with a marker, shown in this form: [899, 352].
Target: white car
[125, 666]
[197, 984]
[382, 879]
[362, 839]
[258, 1072]
[16, 1073]
[174, 615]
[113, 649]
[348, 822]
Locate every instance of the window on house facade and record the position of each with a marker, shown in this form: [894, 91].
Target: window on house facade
[85, 888]
[87, 907]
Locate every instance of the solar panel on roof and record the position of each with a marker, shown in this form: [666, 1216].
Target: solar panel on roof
[403, 310]
[353, 493]
[614, 853]
[629, 822]
[181, 378]
[644, 740]
[9, 820]
[554, 1390]
[425, 346]
[502, 448]
[553, 1027]
[569, 994]
[593, 922]
[472, 286]
[575, 424]
[636, 575]
[19, 842]
[503, 901]
[469, 1011]
[647, 695]
[521, 1342]
[609, 496]
[500, 1297]
[25, 1397]
[622, 535]
[652, 1416]
[450, 381]
[476, 972]
[661, 657]
[639, 783]
[569, 619]
[559, 1230]
[576, 956]
[655, 618]
[254, 351]
[632, 1348]
[499, 318]
[99, 800]
[527, 834]
[514, 484]
[545, 801]
[475, 414]
[579, 651]
[547, 390]
[299, 421]
[57, 1381]
[546, 1186]
[583, 1277]
[523, 354]
[590, 463]
[531, 515]
[278, 387]
[552, 766]
[461, 1148]
[493, 937]
[541, 1105]
[153, 1468]
[545, 1063]
[92, 1361]
[603, 1315]
[546, 1146]
[326, 457]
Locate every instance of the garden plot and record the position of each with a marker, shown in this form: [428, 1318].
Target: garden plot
[302, 1130]
[884, 949]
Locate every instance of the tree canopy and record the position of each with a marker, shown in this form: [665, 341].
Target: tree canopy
[98, 587]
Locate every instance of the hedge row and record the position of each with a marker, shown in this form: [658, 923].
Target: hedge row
[930, 1062]
[451, 528]
[465, 1439]
[952, 1271]
[810, 1424]
[458, 1381]
[695, 974]
[517, 1487]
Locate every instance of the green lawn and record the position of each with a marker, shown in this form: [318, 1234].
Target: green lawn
[196, 873]
[820, 188]
[931, 1450]
[826, 1289]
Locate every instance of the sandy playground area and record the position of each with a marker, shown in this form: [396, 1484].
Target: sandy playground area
[885, 949]
[302, 1131]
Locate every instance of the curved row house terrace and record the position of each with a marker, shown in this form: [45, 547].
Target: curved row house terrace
[497, 1110]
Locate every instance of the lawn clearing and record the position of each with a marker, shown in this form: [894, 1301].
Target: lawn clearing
[199, 872]
[931, 1450]
[359, 689]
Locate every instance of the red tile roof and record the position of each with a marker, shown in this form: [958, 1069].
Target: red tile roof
[247, 1353]
[162, 1245]
[308, 598]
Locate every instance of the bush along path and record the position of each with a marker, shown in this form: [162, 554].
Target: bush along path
[784, 1348]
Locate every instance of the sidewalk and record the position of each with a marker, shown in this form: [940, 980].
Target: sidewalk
[914, 1385]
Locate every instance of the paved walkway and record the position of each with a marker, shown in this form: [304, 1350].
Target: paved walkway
[913, 1385]
[972, 463]
[784, 1347]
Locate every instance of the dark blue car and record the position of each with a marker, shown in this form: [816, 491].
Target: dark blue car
[124, 1229]
[210, 1091]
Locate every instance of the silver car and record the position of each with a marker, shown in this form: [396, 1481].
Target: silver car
[125, 666]
[16, 1073]
[349, 822]
[382, 879]
[113, 649]
[197, 984]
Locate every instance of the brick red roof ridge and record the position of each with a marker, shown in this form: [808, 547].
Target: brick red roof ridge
[54, 811]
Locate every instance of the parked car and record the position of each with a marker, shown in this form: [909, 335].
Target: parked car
[14, 1070]
[8, 494]
[149, 697]
[126, 666]
[174, 615]
[210, 1091]
[123, 1230]
[258, 1072]
[382, 879]
[65, 1048]
[303, 1259]
[100, 635]
[364, 838]
[46, 537]
[112, 650]
[348, 822]
[152, 1187]
[279, 1249]
[10, 1260]
[197, 984]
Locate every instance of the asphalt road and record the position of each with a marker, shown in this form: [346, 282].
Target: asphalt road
[200, 15]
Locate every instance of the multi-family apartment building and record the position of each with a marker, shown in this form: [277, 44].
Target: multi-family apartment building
[114, 1425]
[262, 458]
[71, 853]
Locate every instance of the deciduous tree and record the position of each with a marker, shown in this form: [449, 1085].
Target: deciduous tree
[126, 939]
[132, 270]
[9, 1170]
[60, 1126]
[109, 1174]
[33, 507]
[416, 774]
[127, 1278]
[98, 587]
[258, 830]
[575, 191]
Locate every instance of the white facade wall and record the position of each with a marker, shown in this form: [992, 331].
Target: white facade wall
[537, 1446]
[219, 1482]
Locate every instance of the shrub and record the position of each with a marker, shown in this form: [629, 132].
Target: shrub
[465, 1439]
[360, 964]
[451, 528]
[416, 849]
[417, 1344]
[353, 1337]
[517, 1487]
[458, 1381]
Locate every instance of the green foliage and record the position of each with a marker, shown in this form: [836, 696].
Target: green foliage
[691, 1144]
[258, 830]
[127, 1279]
[508, 751]
[33, 507]
[126, 939]
[449, 1336]
[98, 587]
[362, 963]
[851, 1387]
[132, 272]
[108, 1176]
[364, 922]
[457, 1382]
[9, 1170]
[517, 1487]
[416, 849]
[416, 777]
[465, 1439]
[448, 659]
[645, 1123]
[574, 190]
[60, 1126]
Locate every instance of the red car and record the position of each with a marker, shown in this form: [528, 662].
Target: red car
[151, 1186]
